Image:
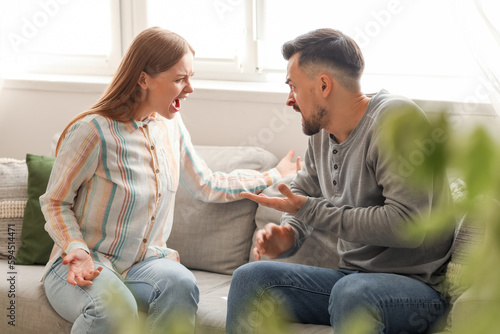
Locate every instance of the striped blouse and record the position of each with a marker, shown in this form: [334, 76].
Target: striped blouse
[113, 185]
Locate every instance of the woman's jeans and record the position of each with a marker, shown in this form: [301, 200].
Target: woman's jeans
[387, 303]
[163, 291]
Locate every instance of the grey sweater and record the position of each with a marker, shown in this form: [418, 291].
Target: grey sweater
[355, 191]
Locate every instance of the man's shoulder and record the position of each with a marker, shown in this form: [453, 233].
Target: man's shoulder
[385, 100]
[384, 103]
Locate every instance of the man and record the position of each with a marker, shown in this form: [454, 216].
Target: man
[348, 185]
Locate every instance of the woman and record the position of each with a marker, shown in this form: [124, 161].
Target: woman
[110, 198]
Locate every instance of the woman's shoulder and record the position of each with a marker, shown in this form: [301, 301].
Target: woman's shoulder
[102, 124]
[91, 126]
[95, 118]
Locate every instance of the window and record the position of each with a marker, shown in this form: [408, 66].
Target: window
[234, 39]
[399, 37]
[218, 31]
[56, 36]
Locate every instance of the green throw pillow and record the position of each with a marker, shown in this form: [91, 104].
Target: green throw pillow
[36, 242]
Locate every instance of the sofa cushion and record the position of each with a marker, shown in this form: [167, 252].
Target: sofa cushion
[13, 197]
[217, 236]
[319, 250]
[33, 313]
[212, 308]
[36, 242]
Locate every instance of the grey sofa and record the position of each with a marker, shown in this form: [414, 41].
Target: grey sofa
[212, 239]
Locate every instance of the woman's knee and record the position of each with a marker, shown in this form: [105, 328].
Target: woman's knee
[185, 281]
[99, 305]
[163, 277]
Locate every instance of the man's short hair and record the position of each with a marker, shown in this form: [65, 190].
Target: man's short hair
[328, 48]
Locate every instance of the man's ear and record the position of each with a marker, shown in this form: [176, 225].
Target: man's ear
[326, 84]
[143, 80]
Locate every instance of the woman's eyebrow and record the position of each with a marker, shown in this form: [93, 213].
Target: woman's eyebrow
[185, 74]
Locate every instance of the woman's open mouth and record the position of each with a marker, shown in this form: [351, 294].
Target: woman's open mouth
[176, 104]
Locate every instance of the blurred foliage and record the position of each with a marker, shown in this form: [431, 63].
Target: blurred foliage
[432, 148]
[268, 316]
[125, 323]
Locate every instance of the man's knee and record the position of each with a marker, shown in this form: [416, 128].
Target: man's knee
[354, 301]
[360, 285]
[352, 292]
[255, 273]
[243, 273]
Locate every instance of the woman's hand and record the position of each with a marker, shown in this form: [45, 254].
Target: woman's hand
[81, 269]
[273, 240]
[286, 166]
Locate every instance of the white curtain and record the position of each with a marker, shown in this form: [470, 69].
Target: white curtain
[480, 23]
[3, 12]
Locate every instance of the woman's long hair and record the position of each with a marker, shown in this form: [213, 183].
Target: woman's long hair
[153, 51]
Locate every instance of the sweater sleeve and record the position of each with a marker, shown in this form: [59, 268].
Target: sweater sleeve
[379, 225]
[306, 184]
[75, 164]
[209, 186]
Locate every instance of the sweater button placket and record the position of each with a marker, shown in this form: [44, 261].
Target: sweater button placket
[335, 166]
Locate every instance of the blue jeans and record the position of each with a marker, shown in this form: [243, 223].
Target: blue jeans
[389, 303]
[162, 291]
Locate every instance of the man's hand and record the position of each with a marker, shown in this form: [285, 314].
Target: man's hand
[81, 269]
[273, 240]
[290, 204]
[286, 166]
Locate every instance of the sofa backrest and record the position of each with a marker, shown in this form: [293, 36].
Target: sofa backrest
[217, 237]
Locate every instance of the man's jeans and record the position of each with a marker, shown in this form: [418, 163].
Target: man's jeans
[389, 303]
[163, 290]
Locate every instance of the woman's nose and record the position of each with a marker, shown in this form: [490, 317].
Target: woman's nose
[189, 88]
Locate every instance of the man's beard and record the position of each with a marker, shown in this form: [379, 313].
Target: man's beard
[314, 125]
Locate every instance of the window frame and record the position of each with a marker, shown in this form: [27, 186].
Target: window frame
[244, 67]
[78, 65]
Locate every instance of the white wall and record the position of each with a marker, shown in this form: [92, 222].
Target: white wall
[223, 117]
[32, 112]
[29, 118]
